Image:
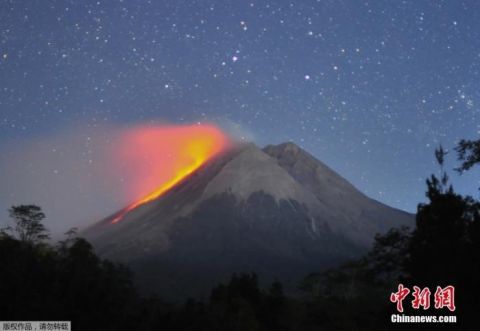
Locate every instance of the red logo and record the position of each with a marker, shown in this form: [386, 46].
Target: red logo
[444, 297]
[399, 296]
[421, 298]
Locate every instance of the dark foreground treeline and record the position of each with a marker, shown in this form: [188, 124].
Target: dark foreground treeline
[68, 281]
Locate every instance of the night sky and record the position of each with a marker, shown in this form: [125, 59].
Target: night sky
[368, 87]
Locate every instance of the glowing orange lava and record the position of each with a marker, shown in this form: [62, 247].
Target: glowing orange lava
[164, 155]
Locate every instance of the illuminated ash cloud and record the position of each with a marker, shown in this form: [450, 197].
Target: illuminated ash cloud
[158, 157]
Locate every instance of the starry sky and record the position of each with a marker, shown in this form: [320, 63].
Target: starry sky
[368, 87]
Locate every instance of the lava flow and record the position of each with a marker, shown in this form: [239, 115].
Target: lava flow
[164, 155]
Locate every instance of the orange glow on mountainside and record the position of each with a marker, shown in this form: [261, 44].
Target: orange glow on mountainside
[165, 155]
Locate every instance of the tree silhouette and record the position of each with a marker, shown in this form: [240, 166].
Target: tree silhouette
[468, 151]
[390, 254]
[28, 226]
[64, 282]
[443, 249]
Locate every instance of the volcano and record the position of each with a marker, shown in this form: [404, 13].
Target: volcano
[276, 211]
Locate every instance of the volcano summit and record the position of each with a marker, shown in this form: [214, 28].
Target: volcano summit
[276, 211]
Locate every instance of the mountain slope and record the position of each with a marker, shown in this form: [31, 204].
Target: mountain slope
[362, 217]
